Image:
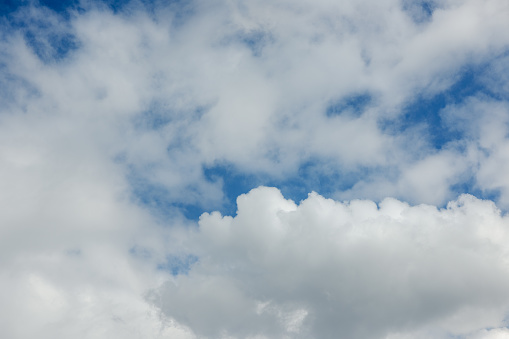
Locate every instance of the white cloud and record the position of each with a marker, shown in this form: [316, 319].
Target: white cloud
[325, 269]
[485, 124]
[150, 99]
[496, 333]
[217, 101]
[428, 180]
[67, 225]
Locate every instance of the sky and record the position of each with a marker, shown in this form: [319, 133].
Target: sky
[254, 169]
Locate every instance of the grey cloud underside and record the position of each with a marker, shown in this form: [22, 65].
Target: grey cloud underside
[109, 120]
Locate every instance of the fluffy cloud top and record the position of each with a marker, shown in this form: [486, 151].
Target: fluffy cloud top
[326, 269]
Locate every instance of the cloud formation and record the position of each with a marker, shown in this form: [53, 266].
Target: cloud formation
[249, 85]
[121, 122]
[326, 269]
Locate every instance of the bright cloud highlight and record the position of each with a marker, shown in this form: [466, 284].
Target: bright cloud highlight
[326, 269]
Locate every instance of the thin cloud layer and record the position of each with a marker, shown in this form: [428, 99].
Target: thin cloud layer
[121, 122]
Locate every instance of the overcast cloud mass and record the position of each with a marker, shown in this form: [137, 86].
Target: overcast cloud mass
[254, 169]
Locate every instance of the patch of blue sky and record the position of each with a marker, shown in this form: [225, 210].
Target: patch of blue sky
[427, 7]
[420, 11]
[424, 111]
[180, 10]
[470, 187]
[61, 7]
[52, 44]
[9, 6]
[321, 177]
[48, 35]
[52, 47]
[65, 7]
[309, 177]
[178, 265]
[126, 6]
[353, 105]
[234, 183]
[313, 175]
[159, 200]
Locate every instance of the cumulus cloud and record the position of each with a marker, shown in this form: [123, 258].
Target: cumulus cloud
[111, 116]
[355, 269]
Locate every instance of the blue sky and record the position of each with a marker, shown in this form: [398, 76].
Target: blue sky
[254, 169]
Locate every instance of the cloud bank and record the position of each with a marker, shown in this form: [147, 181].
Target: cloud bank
[326, 269]
[122, 122]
